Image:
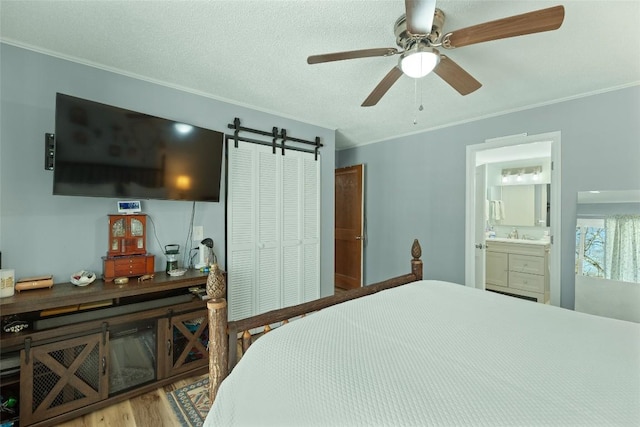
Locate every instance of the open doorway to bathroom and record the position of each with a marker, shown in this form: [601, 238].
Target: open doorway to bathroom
[513, 186]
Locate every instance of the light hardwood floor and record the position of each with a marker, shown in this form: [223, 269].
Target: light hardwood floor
[148, 410]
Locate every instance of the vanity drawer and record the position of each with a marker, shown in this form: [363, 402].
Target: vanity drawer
[526, 282]
[527, 264]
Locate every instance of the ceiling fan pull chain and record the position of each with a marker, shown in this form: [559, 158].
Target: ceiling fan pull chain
[415, 100]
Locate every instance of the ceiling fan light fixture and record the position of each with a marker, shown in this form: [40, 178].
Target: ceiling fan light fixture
[419, 61]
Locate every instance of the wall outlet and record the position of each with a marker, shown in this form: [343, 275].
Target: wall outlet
[198, 233]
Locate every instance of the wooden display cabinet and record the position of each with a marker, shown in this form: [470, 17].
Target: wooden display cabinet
[127, 255]
[127, 235]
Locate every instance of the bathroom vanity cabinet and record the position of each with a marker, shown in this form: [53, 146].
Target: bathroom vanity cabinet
[518, 268]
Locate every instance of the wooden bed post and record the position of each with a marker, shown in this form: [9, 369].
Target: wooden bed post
[416, 262]
[218, 344]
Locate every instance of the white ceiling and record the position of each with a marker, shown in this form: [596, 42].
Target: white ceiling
[253, 53]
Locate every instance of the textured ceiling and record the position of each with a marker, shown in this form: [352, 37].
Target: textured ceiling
[253, 53]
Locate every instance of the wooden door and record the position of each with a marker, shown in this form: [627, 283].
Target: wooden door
[349, 236]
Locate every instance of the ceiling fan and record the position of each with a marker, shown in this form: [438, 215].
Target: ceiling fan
[419, 32]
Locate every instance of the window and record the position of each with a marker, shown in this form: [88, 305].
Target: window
[609, 247]
[590, 246]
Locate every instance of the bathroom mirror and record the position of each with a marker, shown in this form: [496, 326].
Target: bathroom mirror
[519, 205]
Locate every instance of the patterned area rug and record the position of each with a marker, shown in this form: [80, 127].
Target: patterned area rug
[191, 403]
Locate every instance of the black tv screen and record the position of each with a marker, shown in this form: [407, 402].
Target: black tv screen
[106, 151]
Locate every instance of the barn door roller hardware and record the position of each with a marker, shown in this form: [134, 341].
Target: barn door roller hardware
[278, 139]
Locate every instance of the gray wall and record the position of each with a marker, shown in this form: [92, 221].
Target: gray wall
[45, 234]
[415, 185]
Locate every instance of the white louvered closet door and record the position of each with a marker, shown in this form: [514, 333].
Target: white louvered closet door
[291, 228]
[273, 228]
[268, 289]
[241, 230]
[310, 217]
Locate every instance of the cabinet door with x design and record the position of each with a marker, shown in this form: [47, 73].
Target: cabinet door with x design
[185, 338]
[62, 376]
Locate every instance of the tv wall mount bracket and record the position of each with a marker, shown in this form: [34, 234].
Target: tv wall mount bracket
[49, 150]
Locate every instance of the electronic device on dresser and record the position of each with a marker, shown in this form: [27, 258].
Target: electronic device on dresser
[127, 255]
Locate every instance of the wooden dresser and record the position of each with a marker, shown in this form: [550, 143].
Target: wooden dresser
[76, 354]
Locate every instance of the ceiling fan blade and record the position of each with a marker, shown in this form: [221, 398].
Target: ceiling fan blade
[420, 15]
[528, 23]
[456, 76]
[382, 88]
[352, 54]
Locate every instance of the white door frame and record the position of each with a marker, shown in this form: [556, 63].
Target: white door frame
[480, 254]
[556, 218]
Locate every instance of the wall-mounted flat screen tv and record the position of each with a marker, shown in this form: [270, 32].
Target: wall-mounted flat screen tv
[106, 151]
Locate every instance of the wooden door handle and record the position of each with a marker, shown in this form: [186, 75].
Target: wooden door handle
[359, 238]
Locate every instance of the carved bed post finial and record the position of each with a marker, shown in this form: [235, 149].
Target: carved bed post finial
[218, 342]
[416, 262]
[416, 250]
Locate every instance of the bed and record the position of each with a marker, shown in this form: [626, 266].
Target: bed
[425, 352]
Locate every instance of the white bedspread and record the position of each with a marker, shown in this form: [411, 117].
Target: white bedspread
[436, 353]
